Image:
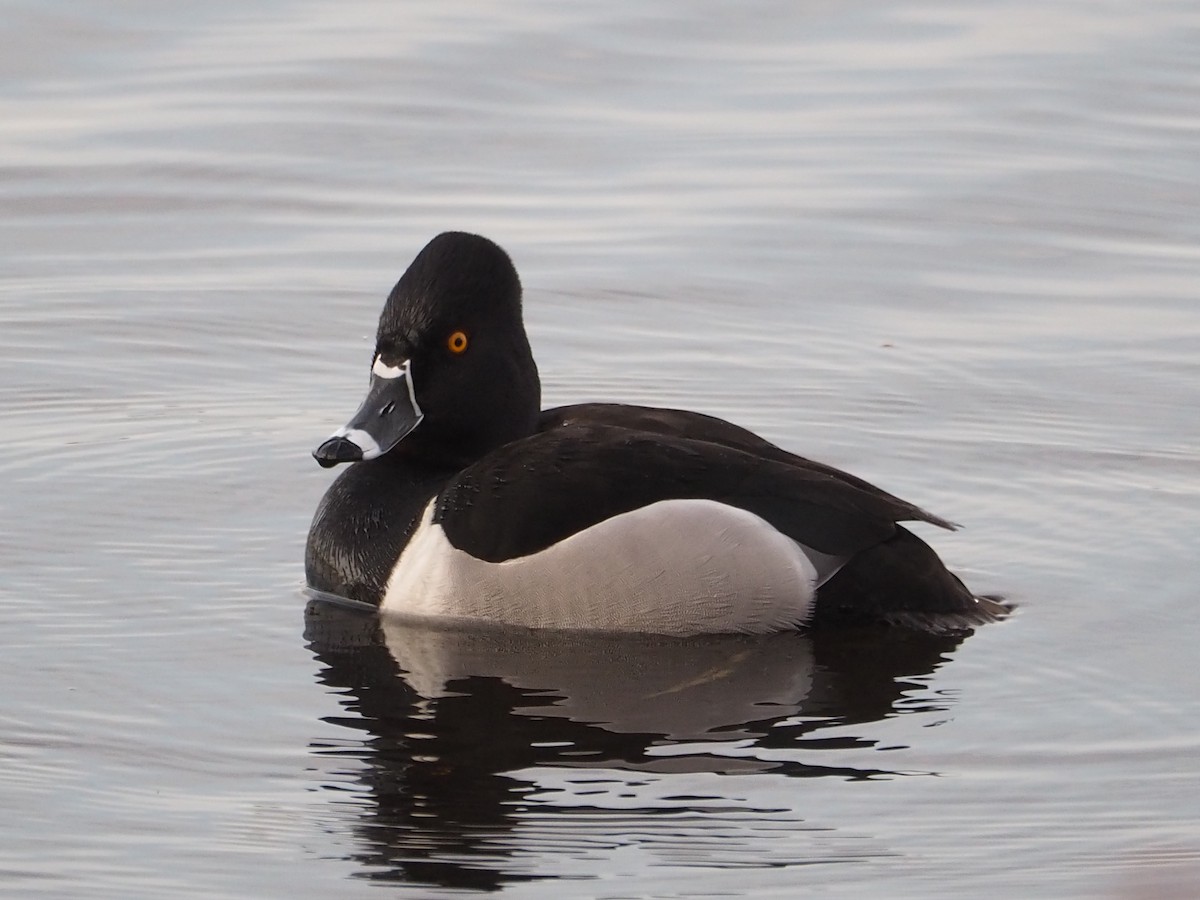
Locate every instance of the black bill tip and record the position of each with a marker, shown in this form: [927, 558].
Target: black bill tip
[337, 450]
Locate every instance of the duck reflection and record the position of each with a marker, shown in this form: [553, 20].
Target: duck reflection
[452, 723]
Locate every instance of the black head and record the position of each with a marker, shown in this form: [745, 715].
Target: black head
[452, 376]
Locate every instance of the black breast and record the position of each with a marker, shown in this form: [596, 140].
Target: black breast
[364, 520]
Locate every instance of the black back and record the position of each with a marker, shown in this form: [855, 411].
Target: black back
[537, 491]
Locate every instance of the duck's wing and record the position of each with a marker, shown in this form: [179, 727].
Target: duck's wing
[539, 490]
[682, 423]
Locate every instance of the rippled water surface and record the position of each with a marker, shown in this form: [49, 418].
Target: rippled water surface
[952, 247]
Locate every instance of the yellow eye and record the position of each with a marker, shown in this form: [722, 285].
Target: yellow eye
[457, 342]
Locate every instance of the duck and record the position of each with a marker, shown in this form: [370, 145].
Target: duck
[463, 502]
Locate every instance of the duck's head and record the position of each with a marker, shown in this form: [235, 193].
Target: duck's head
[452, 376]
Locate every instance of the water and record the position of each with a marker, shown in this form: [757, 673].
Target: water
[949, 247]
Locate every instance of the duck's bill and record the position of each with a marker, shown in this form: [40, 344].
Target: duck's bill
[389, 413]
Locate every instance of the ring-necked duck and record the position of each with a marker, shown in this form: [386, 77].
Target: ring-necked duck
[466, 501]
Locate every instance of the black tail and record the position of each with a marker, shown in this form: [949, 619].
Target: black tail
[901, 581]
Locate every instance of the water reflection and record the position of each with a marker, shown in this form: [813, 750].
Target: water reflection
[450, 724]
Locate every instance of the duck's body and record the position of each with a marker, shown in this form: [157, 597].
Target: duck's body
[465, 502]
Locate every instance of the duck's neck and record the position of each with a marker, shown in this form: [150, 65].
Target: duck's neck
[476, 426]
[453, 450]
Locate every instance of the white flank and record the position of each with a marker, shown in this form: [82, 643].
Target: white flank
[676, 567]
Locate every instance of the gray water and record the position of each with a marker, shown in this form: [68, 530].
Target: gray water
[951, 247]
